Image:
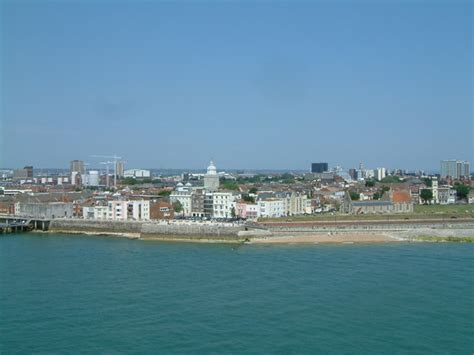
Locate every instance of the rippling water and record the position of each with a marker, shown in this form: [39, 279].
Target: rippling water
[97, 294]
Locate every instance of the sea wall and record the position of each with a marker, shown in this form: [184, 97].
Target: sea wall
[190, 229]
[161, 231]
[128, 228]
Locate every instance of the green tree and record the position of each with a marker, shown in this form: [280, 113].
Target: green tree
[370, 183]
[426, 195]
[377, 196]
[462, 191]
[164, 193]
[129, 181]
[248, 198]
[355, 196]
[177, 206]
[427, 181]
[253, 190]
[229, 185]
[287, 178]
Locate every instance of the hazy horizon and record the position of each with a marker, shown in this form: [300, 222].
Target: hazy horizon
[253, 85]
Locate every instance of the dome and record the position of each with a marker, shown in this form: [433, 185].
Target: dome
[188, 184]
[211, 169]
[180, 184]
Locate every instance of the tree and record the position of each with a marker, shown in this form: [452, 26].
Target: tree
[177, 206]
[462, 191]
[253, 190]
[377, 196]
[129, 181]
[355, 196]
[426, 195]
[248, 198]
[427, 182]
[370, 183]
[229, 185]
[164, 193]
[232, 212]
[384, 189]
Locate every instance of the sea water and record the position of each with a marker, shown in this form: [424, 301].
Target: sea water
[63, 293]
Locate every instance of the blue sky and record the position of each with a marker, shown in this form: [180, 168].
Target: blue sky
[250, 84]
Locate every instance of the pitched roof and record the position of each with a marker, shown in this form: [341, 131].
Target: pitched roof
[401, 197]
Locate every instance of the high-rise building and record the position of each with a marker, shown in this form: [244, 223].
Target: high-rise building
[25, 173]
[77, 166]
[379, 173]
[120, 169]
[211, 179]
[455, 168]
[353, 174]
[319, 167]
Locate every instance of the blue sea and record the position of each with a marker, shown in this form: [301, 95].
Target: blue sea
[62, 294]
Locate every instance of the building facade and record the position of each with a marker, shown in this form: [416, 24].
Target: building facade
[78, 166]
[455, 169]
[319, 167]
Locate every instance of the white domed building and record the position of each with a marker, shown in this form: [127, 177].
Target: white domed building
[211, 179]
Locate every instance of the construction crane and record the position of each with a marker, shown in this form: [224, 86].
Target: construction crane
[115, 159]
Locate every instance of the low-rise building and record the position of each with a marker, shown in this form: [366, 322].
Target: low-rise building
[137, 173]
[183, 195]
[49, 210]
[246, 210]
[394, 202]
[161, 210]
[271, 207]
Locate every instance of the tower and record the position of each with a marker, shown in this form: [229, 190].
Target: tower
[211, 179]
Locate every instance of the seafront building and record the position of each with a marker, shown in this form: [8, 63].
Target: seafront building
[119, 210]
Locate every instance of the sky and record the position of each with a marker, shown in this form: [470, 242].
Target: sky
[249, 84]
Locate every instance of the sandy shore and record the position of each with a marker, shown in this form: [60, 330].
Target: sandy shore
[327, 238]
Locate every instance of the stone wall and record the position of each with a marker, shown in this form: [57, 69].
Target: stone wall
[151, 230]
[190, 229]
[94, 226]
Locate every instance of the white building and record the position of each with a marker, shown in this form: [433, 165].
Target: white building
[95, 212]
[119, 210]
[222, 204]
[271, 207]
[91, 178]
[183, 194]
[379, 173]
[137, 173]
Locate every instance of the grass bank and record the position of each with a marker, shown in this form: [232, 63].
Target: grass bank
[420, 212]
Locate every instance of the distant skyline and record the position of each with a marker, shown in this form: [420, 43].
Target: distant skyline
[251, 85]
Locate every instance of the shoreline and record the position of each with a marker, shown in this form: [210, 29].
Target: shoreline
[329, 238]
[324, 238]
